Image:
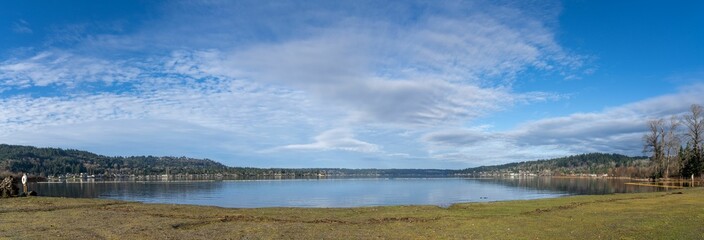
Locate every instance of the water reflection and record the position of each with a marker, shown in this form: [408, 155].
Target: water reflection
[575, 186]
[125, 189]
[335, 192]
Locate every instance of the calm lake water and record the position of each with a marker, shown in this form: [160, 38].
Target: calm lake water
[336, 192]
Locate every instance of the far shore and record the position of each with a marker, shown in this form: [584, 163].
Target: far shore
[674, 214]
[284, 177]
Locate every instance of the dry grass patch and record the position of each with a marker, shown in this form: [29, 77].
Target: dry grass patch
[628, 216]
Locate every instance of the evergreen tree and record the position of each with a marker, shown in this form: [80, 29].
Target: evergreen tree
[694, 122]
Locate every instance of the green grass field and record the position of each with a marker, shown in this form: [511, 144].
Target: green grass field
[678, 214]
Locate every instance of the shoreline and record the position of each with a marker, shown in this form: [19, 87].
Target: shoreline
[673, 214]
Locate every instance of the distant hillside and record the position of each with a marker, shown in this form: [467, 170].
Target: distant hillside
[56, 161]
[591, 163]
[47, 162]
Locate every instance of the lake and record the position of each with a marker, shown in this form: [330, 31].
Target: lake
[340, 192]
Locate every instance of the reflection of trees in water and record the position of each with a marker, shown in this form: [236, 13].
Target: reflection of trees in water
[174, 189]
[573, 185]
[122, 189]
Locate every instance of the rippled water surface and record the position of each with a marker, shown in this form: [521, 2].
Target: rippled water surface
[336, 192]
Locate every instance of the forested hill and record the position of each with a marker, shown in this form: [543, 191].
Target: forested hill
[46, 162]
[591, 163]
[56, 161]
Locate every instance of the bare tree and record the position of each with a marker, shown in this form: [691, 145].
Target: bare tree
[653, 142]
[695, 128]
[671, 142]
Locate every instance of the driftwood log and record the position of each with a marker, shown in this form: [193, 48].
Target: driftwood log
[8, 188]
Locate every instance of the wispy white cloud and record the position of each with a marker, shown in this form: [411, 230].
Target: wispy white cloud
[21, 26]
[86, 33]
[335, 139]
[614, 130]
[65, 69]
[618, 129]
[133, 136]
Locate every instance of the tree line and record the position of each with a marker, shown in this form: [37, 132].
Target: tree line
[589, 163]
[675, 144]
[47, 162]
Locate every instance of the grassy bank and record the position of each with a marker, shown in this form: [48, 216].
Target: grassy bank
[667, 215]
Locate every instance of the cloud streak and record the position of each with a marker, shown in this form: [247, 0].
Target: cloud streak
[22, 27]
[64, 69]
[614, 130]
[335, 139]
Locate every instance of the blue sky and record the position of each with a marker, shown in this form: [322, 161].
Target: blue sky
[354, 84]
